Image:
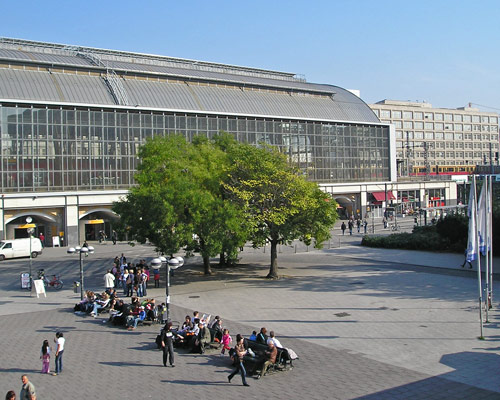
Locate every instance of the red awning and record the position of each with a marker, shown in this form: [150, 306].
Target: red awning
[380, 196]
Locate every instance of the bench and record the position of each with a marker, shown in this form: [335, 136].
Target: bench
[252, 364]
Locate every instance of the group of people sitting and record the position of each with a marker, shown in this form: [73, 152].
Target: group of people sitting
[120, 313]
[195, 334]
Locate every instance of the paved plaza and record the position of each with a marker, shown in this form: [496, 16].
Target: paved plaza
[366, 324]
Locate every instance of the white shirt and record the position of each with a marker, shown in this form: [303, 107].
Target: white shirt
[60, 344]
[109, 280]
[275, 341]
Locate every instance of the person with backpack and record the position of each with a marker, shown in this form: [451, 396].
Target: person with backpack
[343, 227]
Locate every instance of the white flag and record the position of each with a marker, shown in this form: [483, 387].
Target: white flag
[481, 218]
[471, 242]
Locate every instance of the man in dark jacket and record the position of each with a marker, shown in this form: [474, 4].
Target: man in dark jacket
[167, 344]
[262, 336]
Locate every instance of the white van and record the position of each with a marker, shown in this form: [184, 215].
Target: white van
[20, 248]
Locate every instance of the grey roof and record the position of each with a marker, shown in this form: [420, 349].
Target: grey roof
[228, 91]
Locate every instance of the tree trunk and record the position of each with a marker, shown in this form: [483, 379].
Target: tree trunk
[206, 265]
[222, 259]
[273, 270]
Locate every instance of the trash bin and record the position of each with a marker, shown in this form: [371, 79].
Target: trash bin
[76, 286]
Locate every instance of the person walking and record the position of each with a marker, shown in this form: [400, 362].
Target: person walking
[28, 391]
[358, 224]
[167, 344]
[239, 353]
[59, 340]
[350, 224]
[365, 224]
[343, 227]
[45, 357]
[114, 237]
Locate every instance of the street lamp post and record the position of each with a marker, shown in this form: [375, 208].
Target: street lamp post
[30, 232]
[81, 250]
[172, 263]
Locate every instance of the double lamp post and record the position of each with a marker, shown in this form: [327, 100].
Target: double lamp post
[81, 251]
[171, 264]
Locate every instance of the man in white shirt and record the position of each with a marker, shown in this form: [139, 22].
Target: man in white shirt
[59, 340]
[273, 340]
[109, 280]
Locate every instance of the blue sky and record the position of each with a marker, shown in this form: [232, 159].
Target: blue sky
[441, 51]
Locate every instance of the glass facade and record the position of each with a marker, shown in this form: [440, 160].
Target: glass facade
[56, 148]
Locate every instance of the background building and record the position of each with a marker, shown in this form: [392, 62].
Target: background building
[445, 140]
[72, 120]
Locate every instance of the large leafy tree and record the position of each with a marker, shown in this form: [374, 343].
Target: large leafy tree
[178, 201]
[283, 205]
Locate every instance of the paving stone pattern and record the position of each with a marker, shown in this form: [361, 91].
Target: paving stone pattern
[363, 329]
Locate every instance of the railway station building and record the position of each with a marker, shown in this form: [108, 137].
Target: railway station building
[72, 120]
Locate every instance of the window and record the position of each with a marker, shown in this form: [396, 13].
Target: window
[408, 125]
[439, 135]
[475, 118]
[419, 125]
[458, 136]
[493, 120]
[438, 116]
[467, 118]
[457, 117]
[396, 114]
[429, 125]
[438, 126]
[398, 124]
[418, 115]
[448, 117]
[376, 112]
[485, 120]
[428, 116]
[467, 128]
[385, 114]
[419, 135]
[407, 115]
[448, 126]
[429, 135]
[458, 127]
[486, 128]
[399, 135]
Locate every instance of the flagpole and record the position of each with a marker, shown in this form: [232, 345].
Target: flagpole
[485, 240]
[490, 242]
[476, 239]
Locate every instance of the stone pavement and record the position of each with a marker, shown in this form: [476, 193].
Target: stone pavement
[364, 329]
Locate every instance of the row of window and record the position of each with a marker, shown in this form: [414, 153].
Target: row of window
[448, 145]
[439, 126]
[445, 135]
[435, 116]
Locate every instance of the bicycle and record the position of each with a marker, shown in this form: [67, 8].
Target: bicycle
[395, 227]
[55, 282]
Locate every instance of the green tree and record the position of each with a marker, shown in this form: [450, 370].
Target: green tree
[178, 200]
[280, 202]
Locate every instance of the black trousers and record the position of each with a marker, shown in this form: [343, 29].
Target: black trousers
[168, 352]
